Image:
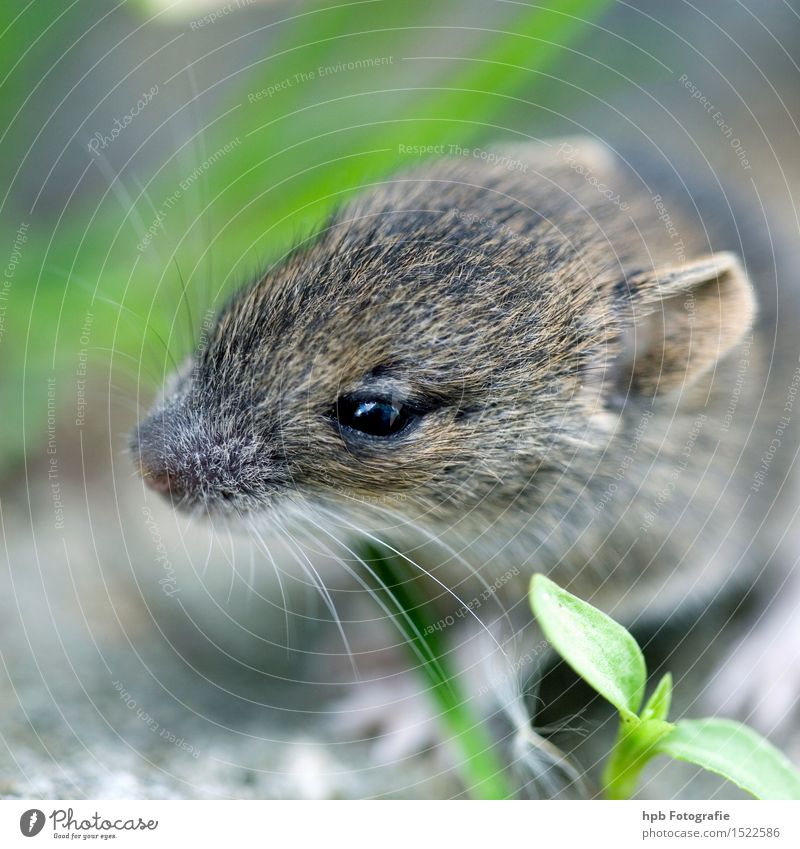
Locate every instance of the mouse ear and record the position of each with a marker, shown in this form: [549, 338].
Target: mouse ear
[684, 319]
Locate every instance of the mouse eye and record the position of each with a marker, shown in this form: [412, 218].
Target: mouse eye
[373, 416]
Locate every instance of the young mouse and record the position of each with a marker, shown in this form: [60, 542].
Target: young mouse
[533, 360]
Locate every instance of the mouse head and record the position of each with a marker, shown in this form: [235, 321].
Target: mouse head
[443, 346]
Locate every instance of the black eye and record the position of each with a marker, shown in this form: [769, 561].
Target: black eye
[373, 416]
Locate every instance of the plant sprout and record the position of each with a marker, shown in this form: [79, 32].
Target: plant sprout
[609, 659]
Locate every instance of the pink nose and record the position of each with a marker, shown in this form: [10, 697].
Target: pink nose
[161, 481]
[188, 467]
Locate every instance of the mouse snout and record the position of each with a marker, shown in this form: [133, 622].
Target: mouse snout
[186, 464]
[178, 484]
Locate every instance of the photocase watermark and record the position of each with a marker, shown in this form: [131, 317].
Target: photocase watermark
[738, 385]
[52, 458]
[184, 185]
[164, 733]
[780, 429]
[81, 370]
[672, 231]
[570, 154]
[491, 224]
[101, 141]
[66, 825]
[207, 324]
[169, 582]
[322, 71]
[719, 119]
[626, 462]
[218, 14]
[158, 222]
[491, 157]
[473, 605]
[32, 822]
[666, 492]
[514, 668]
[361, 498]
[20, 237]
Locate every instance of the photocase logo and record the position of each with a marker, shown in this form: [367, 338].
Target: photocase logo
[31, 822]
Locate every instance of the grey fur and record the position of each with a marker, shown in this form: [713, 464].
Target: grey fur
[575, 409]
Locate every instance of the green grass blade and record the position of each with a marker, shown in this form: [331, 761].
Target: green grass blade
[483, 772]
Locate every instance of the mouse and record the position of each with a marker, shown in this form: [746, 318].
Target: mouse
[544, 360]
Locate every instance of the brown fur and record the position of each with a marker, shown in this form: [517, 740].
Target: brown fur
[572, 374]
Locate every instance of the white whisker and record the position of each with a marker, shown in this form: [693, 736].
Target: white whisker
[380, 542]
[317, 581]
[266, 549]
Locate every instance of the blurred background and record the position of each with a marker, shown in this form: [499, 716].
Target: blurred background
[155, 156]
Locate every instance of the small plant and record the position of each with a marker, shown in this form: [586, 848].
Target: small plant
[609, 659]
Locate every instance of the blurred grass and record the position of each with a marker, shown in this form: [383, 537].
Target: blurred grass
[295, 155]
[401, 589]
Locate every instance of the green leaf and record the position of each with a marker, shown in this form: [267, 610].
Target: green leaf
[737, 753]
[599, 649]
[658, 704]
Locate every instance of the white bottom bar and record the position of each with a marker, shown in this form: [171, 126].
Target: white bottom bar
[595, 825]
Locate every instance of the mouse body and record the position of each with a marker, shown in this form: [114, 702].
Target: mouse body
[559, 359]
[543, 367]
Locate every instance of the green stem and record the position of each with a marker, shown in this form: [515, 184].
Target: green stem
[482, 771]
[622, 771]
[634, 748]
